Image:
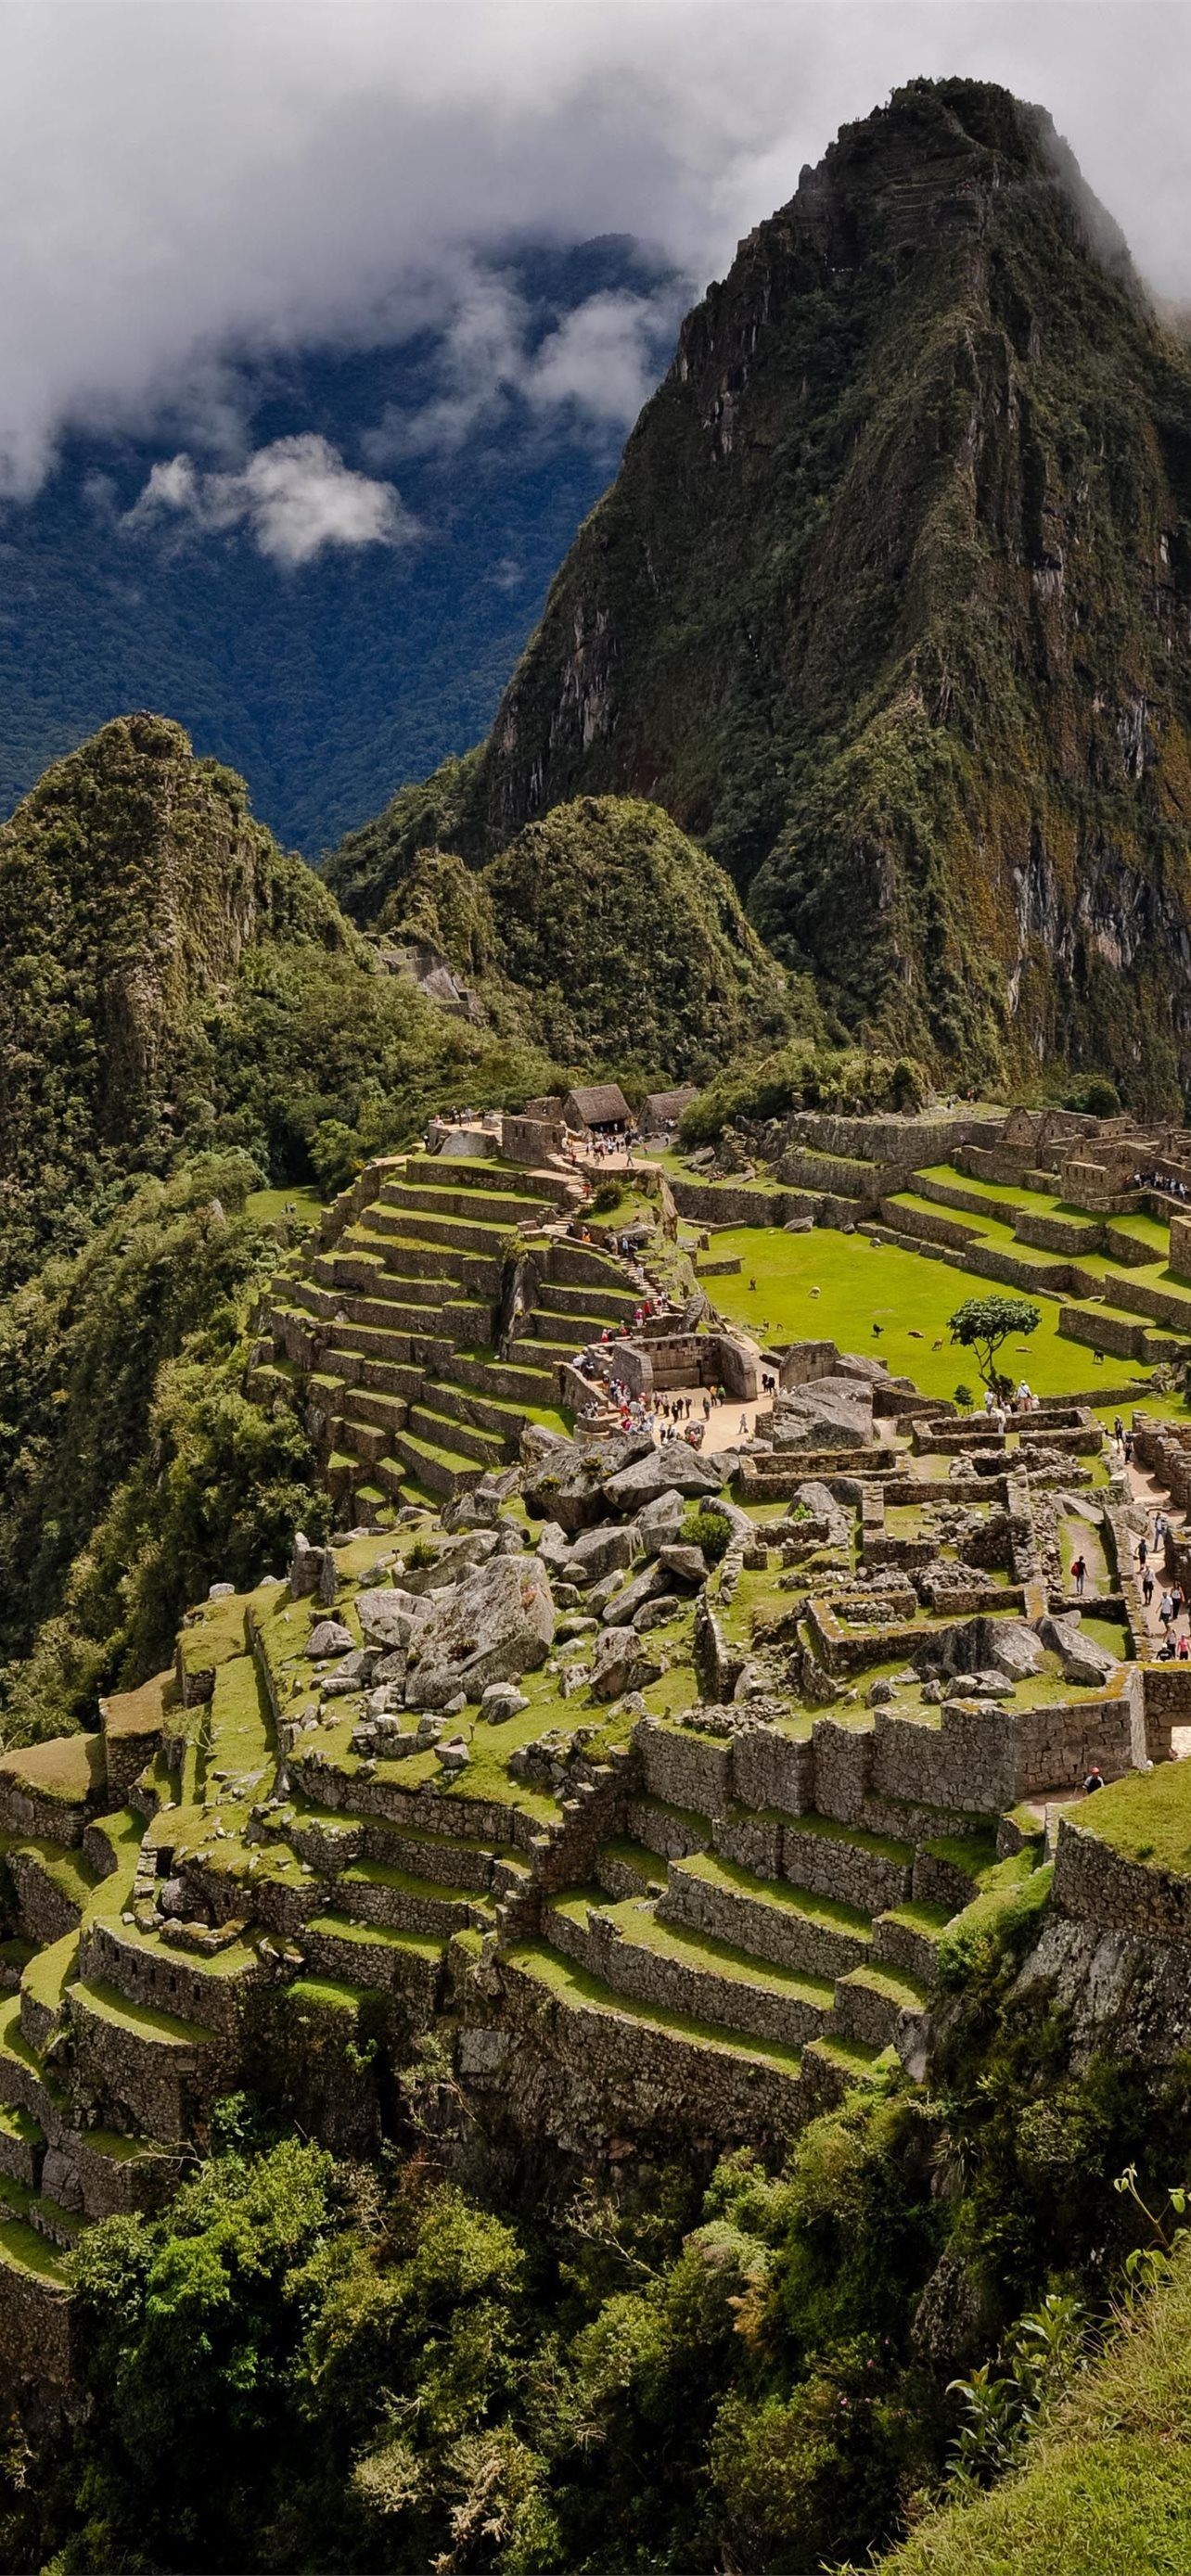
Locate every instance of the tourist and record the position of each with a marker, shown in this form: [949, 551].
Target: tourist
[1079, 1573]
[1166, 1612]
[1024, 1397]
[1128, 1448]
[1118, 1431]
[1184, 1648]
[744, 1422]
[1147, 1587]
[1094, 1781]
[1142, 1551]
[707, 1408]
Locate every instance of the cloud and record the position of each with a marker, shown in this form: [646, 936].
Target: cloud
[598, 361]
[294, 497]
[185, 186]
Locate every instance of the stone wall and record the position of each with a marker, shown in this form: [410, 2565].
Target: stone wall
[529, 1142]
[1095, 1884]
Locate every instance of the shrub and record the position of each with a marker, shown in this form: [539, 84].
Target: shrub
[704, 1527]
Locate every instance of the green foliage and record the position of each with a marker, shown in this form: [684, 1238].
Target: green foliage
[850, 1080]
[133, 1468]
[373, 864]
[985, 1324]
[1097, 1097]
[703, 1526]
[1007, 2402]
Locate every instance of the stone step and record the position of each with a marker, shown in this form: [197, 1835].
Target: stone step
[484, 1174]
[662, 2049]
[833, 2067]
[43, 1990]
[668, 1830]
[565, 1332]
[391, 1377]
[377, 1893]
[786, 1926]
[612, 1305]
[627, 1868]
[367, 1441]
[486, 1413]
[22, 2145]
[441, 1470]
[518, 1380]
[845, 1863]
[374, 1957]
[633, 1952]
[452, 1233]
[869, 2002]
[908, 1938]
[489, 1205]
[51, 1884]
[461, 1439]
[386, 1412]
[377, 1342]
[155, 2066]
[28, 2257]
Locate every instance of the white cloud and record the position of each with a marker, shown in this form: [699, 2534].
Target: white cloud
[294, 497]
[600, 360]
[184, 184]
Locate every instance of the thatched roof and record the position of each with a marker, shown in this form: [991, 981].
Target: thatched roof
[665, 1108]
[603, 1104]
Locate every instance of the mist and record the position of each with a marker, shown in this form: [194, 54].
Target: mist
[185, 187]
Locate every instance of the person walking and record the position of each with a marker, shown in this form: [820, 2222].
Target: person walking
[1079, 1576]
[1142, 1552]
[1147, 1587]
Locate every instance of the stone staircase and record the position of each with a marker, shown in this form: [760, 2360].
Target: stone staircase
[392, 1328]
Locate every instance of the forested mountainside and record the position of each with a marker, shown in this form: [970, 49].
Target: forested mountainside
[888, 606]
[324, 679]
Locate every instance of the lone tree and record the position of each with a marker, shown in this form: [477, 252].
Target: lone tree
[984, 1325]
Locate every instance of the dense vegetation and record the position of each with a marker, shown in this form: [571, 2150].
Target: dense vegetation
[881, 603]
[849, 1080]
[134, 1471]
[170, 981]
[617, 938]
[749, 2369]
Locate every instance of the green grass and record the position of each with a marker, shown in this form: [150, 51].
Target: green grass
[823, 1911]
[48, 1973]
[143, 2020]
[1146, 1817]
[687, 1948]
[910, 1297]
[265, 1207]
[1107, 2488]
[572, 1985]
[67, 1767]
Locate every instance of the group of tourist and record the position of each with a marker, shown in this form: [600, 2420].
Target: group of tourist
[1161, 1181]
[998, 1408]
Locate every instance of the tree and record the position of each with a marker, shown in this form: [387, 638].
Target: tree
[984, 1324]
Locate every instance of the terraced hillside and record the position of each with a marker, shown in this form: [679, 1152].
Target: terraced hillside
[653, 1794]
[392, 1325]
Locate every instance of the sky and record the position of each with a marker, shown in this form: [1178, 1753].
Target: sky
[187, 185]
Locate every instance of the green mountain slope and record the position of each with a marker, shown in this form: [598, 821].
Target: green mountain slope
[889, 605]
[603, 926]
[1107, 2486]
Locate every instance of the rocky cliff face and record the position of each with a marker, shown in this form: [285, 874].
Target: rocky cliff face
[890, 605]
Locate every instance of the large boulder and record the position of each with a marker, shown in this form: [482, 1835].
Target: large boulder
[672, 1469]
[624, 1604]
[1081, 1658]
[564, 1480]
[386, 1615]
[684, 1564]
[832, 1413]
[623, 1662]
[1014, 1648]
[328, 1637]
[660, 1521]
[597, 1552]
[494, 1625]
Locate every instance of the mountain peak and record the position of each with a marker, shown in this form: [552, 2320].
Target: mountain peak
[886, 605]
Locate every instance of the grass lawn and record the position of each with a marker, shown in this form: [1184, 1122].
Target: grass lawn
[267, 1206]
[860, 1284]
[1146, 1817]
[1107, 2487]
